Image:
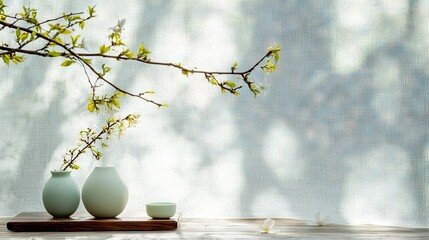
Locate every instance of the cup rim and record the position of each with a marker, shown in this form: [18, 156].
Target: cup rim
[160, 204]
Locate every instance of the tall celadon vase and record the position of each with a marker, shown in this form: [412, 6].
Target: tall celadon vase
[104, 194]
[61, 195]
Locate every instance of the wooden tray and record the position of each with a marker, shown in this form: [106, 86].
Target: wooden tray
[43, 222]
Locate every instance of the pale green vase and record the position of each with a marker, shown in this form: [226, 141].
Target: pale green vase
[104, 194]
[61, 195]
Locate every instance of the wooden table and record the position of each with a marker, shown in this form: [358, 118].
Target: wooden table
[234, 229]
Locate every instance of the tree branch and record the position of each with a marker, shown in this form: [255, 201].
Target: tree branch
[120, 57]
[69, 52]
[55, 19]
[88, 145]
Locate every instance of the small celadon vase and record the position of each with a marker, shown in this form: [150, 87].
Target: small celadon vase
[61, 194]
[104, 194]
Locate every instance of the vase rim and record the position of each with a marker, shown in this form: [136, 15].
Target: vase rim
[60, 172]
[105, 166]
[56, 171]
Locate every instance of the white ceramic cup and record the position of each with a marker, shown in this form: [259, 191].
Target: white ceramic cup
[161, 209]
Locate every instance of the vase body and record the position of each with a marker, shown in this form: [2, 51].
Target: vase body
[104, 194]
[61, 195]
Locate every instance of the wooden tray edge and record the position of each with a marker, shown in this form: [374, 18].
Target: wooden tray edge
[19, 224]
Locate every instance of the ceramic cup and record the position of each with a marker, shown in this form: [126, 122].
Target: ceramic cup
[161, 209]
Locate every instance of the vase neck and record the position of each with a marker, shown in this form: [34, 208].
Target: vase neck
[60, 173]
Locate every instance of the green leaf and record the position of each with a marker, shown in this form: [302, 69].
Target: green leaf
[230, 84]
[6, 58]
[54, 54]
[87, 61]
[74, 18]
[65, 31]
[116, 103]
[276, 57]
[275, 52]
[119, 93]
[33, 12]
[143, 52]
[256, 89]
[74, 166]
[234, 67]
[91, 11]
[59, 40]
[104, 49]
[33, 36]
[82, 24]
[141, 49]
[275, 49]
[91, 105]
[52, 26]
[213, 81]
[23, 36]
[269, 67]
[74, 39]
[32, 21]
[129, 54]
[185, 72]
[18, 33]
[67, 63]
[17, 59]
[45, 34]
[105, 68]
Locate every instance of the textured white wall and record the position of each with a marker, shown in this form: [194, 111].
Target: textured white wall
[341, 129]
